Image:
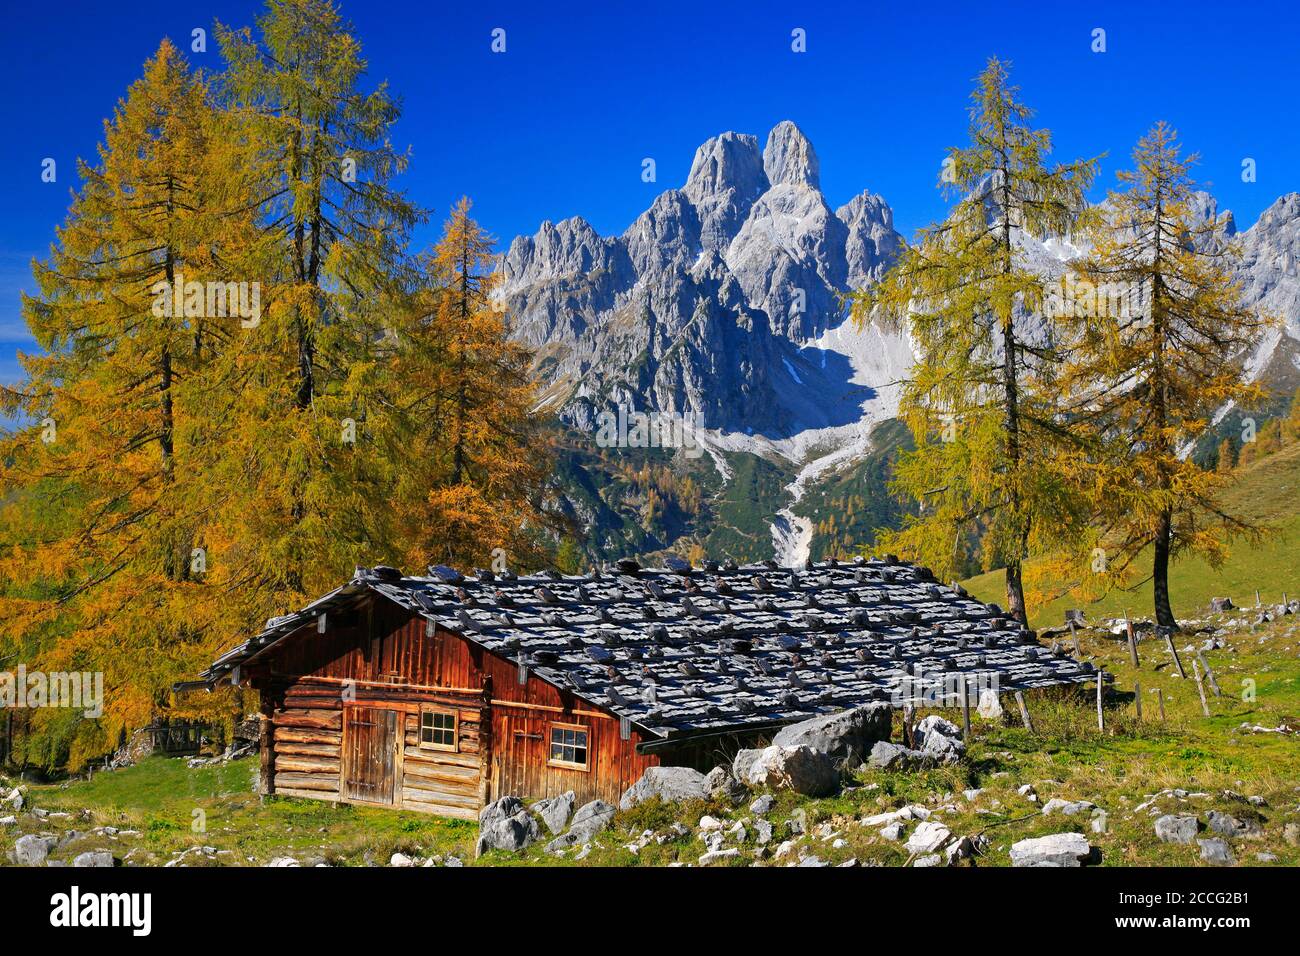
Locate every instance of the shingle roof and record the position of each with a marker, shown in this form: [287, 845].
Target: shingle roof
[724, 647]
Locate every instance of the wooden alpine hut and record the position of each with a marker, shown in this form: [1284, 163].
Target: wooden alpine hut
[441, 693]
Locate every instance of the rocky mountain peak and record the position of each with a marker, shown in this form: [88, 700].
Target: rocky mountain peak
[789, 159]
[712, 300]
[726, 178]
[1284, 213]
[730, 162]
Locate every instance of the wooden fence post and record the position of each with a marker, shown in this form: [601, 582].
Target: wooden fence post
[965, 710]
[266, 745]
[1132, 642]
[1137, 697]
[1209, 675]
[1101, 689]
[1200, 689]
[1160, 699]
[1024, 712]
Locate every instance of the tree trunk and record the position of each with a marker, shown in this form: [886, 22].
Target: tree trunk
[1011, 387]
[1016, 593]
[1160, 571]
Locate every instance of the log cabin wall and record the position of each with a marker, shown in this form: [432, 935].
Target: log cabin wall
[328, 734]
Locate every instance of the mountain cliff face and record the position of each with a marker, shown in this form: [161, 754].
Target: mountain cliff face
[723, 302]
[712, 302]
[1270, 282]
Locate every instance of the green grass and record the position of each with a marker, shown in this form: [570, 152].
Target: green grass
[1268, 492]
[173, 808]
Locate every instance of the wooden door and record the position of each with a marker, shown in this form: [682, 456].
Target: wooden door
[370, 754]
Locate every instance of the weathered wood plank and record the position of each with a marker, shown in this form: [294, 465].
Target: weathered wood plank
[443, 810]
[307, 781]
[314, 719]
[420, 799]
[443, 757]
[328, 765]
[295, 748]
[302, 735]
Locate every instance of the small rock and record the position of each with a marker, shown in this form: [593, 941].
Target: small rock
[930, 859]
[744, 762]
[555, 811]
[730, 791]
[714, 855]
[893, 831]
[1216, 851]
[1291, 833]
[890, 756]
[506, 824]
[31, 850]
[990, 705]
[1229, 826]
[281, 862]
[928, 837]
[1058, 849]
[671, 784]
[763, 804]
[400, 859]
[1172, 828]
[590, 819]
[1066, 807]
[800, 769]
[96, 858]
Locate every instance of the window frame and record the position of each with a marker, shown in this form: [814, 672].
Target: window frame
[454, 746]
[550, 742]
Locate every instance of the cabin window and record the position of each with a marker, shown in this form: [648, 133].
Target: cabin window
[569, 746]
[438, 730]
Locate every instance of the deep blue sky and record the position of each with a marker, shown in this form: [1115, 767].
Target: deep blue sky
[559, 124]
